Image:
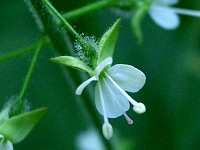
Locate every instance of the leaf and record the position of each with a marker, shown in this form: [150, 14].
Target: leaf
[107, 42]
[18, 127]
[73, 62]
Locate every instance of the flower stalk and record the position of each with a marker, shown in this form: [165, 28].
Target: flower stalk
[18, 105]
[90, 8]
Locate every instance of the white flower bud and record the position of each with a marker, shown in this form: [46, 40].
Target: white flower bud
[107, 131]
[139, 108]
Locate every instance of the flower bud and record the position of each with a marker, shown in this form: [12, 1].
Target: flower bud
[107, 131]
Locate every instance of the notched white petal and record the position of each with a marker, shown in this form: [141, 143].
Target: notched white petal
[81, 87]
[115, 102]
[9, 146]
[127, 77]
[5, 145]
[102, 65]
[164, 17]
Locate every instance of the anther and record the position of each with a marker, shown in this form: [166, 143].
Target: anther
[139, 108]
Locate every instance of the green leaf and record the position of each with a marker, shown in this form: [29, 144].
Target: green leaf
[107, 42]
[136, 22]
[74, 63]
[18, 127]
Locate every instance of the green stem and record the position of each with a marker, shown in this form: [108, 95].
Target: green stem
[18, 106]
[17, 53]
[89, 9]
[30, 71]
[67, 25]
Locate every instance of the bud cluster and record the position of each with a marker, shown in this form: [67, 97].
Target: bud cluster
[87, 49]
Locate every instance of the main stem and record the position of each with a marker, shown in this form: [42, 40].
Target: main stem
[76, 77]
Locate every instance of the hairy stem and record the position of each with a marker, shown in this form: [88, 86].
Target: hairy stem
[61, 43]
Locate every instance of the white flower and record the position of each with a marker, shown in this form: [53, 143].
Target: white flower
[5, 144]
[166, 16]
[89, 140]
[110, 97]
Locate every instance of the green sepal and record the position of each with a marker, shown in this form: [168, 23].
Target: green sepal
[18, 127]
[107, 42]
[136, 22]
[74, 63]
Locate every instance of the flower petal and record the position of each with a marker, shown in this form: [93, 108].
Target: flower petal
[81, 87]
[127, 77]
[164, 17]
[115, 102]
[6, 145]
[102, 65]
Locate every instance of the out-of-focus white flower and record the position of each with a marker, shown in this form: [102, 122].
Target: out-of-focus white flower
[110, 97]
[166, 16]
[5, 144]
[89, 140]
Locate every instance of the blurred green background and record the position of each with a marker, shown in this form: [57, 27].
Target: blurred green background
[169, 59]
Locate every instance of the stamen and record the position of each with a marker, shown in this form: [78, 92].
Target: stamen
[103, 105]
[129, 120]
[120, 107]
[137, 107]
[132, 101]
[188, 12]
[102, 65]
[106, 128]
[194, 13]
[81, 87]
[107, 131]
